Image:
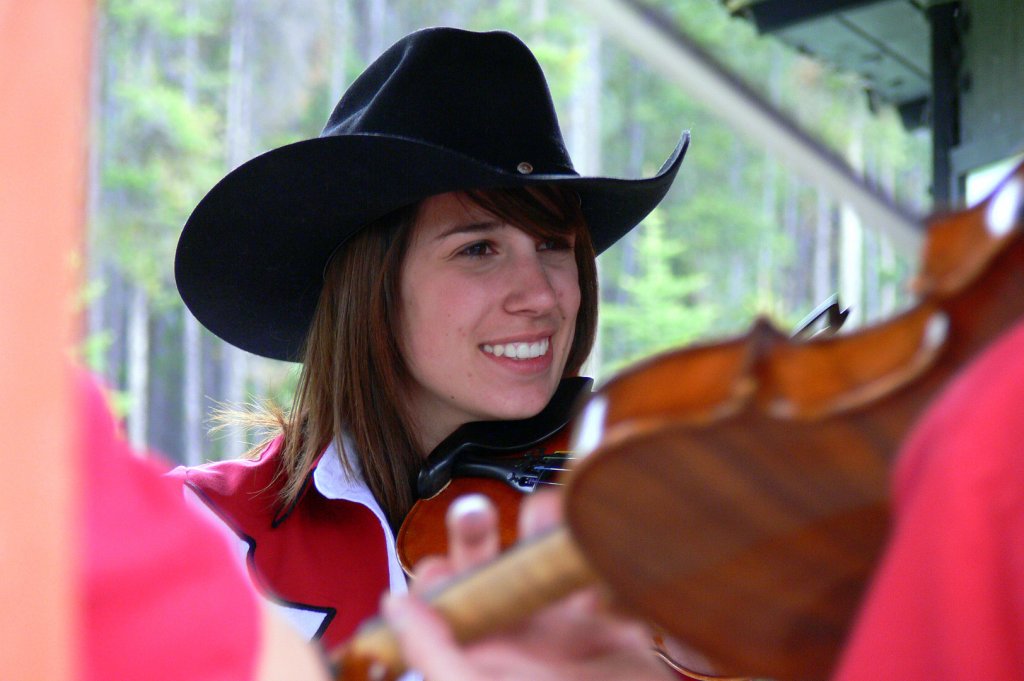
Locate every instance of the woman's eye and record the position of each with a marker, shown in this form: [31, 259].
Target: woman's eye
[477, 249]
[554, 245]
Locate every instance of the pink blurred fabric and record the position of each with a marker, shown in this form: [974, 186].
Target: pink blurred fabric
[161, 596]
[948, 599]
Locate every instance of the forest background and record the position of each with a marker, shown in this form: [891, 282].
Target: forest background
[185, 90]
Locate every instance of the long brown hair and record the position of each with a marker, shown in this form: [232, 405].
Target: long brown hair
[354, 378]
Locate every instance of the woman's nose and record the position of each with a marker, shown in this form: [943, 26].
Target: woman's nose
[530, 288]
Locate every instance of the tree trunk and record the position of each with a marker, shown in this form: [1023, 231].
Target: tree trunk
[239, 85]
[851, 243]
[886, 254]
[794, 293]
[612, 290]
[239, 129]
[191, 390]
[376, 33]
[851, 281]
[766, 262]
[341, 36]
[538, 12]
[191, 347]
[585, 112]
[736, 264]
[211, 364]
[765, 279]
[138, 367]
[585, 134]
[137, 374]
[822, 282]
[872, 274]
[109, 311]
[95, 321]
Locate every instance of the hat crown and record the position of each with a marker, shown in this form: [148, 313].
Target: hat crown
[479, 94]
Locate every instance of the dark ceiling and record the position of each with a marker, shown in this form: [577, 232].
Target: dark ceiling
[886, 42]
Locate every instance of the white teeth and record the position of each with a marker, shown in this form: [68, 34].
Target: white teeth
[519, 350]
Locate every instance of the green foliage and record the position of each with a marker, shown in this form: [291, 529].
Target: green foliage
[162, 151]
[719, 250]
[120, 403]
[662, 307]
[276, 382]
[92, 350]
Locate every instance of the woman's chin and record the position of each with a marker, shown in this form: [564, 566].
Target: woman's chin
[522, 405]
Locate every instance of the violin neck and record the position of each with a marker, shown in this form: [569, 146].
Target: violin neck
[535, 574]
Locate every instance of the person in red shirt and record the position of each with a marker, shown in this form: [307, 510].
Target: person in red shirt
[947, 601]
[160, 597]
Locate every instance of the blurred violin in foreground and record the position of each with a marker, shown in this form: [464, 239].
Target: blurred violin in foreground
[735, 494]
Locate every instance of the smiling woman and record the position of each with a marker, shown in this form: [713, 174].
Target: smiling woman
[430, 259]
[488, 313]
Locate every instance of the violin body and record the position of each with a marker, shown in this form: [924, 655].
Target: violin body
[423, 532]
[501, 460]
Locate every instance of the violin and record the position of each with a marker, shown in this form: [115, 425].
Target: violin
[505, 459]
[735, 493]
[500, 459]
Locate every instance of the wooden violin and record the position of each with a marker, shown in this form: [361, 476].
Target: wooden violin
[735, 493]
[501, 459]
[505, 459]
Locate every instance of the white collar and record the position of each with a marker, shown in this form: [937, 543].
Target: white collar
[333, 482]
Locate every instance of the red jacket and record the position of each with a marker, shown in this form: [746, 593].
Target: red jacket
[328, 558]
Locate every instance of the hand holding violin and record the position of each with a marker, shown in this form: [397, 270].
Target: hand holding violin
[576, 638]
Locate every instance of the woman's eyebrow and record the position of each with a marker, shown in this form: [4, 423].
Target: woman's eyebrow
[470, 228]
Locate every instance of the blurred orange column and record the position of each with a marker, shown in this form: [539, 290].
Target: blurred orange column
[44, 72]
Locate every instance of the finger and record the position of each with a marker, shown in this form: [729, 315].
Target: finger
[472, 532]
[584, 627]
[570, 618]
[539, 511]
[430, 572]
[426, 640]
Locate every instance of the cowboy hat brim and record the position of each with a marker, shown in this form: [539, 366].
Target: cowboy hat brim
[251, 257]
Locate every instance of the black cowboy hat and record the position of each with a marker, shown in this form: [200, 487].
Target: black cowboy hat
[441, 110]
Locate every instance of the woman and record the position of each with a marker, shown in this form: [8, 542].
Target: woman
[430, 260]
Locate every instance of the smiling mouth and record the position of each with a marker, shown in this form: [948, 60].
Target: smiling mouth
[519, 350]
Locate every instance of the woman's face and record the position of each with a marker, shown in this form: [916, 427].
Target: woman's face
[488, 316]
